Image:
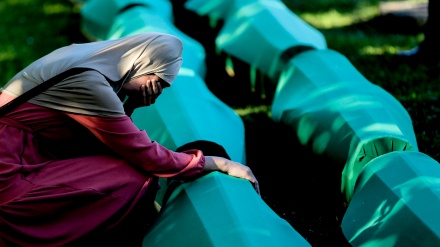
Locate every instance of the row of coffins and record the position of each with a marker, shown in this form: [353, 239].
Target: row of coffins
[216, 209]
[390, 187]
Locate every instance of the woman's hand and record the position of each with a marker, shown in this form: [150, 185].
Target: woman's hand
[150, 91]
[141, 91]
[232, 168]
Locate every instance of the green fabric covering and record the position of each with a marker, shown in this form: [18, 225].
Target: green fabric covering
[218, 9]
[140, 19]
[98, 15]
[186, 112]
[260, 32]
[335, 110]
[396, 202]
[220, 210]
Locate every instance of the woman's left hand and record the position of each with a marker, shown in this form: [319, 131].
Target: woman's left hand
[232, 168]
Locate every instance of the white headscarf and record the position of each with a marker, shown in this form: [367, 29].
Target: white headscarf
[117, 62]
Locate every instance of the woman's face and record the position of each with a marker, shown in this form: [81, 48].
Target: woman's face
[144, 89]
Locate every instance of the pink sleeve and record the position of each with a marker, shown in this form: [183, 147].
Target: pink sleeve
[134, 145]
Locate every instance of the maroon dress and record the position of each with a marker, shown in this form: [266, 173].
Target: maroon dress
[75, 180]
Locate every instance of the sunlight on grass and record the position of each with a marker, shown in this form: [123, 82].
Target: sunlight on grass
[386, 48]
[253, 109]
[50, 9]
[379, 50]
[7, 54]
[335, 19]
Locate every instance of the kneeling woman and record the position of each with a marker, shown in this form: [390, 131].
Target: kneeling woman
[74, 169]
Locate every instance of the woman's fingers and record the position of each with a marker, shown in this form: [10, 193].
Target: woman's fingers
[144, 94]
[152, 90]
[159, 86]
[156, 87]
[242, 171]
[257, 187]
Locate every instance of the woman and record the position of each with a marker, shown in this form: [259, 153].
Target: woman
[73, 167]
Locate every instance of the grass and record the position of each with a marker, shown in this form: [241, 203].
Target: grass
[300, 187]
[30, 29]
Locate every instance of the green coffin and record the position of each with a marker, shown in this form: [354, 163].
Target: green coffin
[97, 16]
[222, 211]
[186, 112]
[217, 9]
[261, 32]
[141, 19]
[337, 112]
[396, 203]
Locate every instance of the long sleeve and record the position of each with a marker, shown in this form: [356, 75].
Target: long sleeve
[134, 145]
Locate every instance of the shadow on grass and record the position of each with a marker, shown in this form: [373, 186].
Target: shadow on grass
[301, 187]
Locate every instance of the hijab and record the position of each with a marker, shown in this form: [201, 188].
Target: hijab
[113, 62]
